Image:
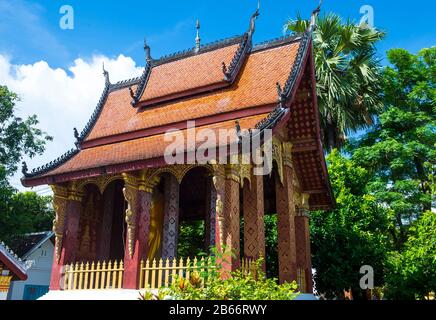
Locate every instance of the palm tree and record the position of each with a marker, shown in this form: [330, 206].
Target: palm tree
[348, 77]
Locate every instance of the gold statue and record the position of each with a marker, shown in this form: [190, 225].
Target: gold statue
[156, 223]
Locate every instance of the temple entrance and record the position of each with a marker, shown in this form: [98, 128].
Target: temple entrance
[194, 213]
[116, 228]
[270, 221]
[101, 234]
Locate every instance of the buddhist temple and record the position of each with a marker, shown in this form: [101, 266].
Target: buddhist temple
[119, 203]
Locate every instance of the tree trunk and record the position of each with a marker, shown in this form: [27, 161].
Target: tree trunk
[330, 128]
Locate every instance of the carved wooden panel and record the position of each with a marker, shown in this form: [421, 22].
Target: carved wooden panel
[210, 227]
[89, 222]
[171, 218]
[254, 229]
[286, 227]
[303, 249]
[232, 221]
[143, 223]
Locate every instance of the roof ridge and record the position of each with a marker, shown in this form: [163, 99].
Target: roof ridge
[91, 122]
[183, 54]
[35, 233]
[13, 257]
[52, 164]
[267, 44]
[277, 113]
[124, 83]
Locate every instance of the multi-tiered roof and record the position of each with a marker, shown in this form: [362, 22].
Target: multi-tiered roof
[268, 85]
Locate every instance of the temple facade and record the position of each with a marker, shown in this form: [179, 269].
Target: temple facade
[120, 202]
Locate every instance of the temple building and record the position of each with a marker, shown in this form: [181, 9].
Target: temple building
[119, 203]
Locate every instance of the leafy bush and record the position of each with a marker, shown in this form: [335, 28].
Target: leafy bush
[210, 285]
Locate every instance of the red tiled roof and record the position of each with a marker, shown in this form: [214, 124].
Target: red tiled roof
[121, 136]
[256, 86]
[139, 149]
[194, 72]
[12, 263]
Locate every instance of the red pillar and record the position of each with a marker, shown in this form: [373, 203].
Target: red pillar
[254, 229]
[69, 210]
[140, 238]
[286, 227]
[302, 235]
[232, 219]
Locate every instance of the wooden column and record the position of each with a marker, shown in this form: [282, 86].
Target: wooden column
[68, 208]
[210, 221]
[137, 192]
[171, 218]
[254, 229]
[231, 217]
[302, 235]
[286, 221]
[219, 191]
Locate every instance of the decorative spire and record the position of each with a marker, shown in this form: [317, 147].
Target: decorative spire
[279, 89]
[132, 94]
[24, 168]
[197, 38]
[314, 16]
[224, 66]
[106, 76]
[77, 136]
[280, 93]
[147, 52]
[76, 133]
[253, 20]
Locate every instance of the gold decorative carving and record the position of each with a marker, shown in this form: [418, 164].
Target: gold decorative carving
[297, 198]
[148, 180]
[101, 182]
[151, 176]
[5, 282]
[60, 201]
[74, 192]
[287, 154]
[218, 182]
[245, 173]
[305, 201]
[232, 172]
[130, 192]
[278, 157]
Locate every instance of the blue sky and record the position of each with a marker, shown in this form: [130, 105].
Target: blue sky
[30, 31]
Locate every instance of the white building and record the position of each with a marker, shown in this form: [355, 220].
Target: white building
[36, 250]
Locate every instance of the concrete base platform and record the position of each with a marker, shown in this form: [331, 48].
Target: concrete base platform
[118, 294]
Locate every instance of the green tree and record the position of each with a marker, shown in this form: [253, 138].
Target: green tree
[191, 239]
[399, 150]
[412, 274]
[18, 137]
[27, 212]
[347, 75]
[351, 235]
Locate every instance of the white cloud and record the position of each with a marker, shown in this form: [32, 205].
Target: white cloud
[62, 99]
